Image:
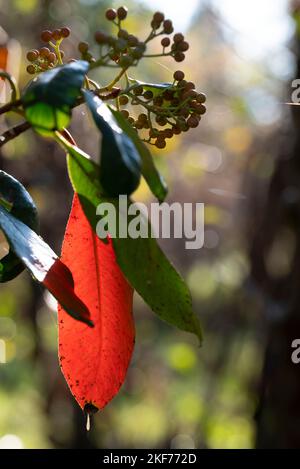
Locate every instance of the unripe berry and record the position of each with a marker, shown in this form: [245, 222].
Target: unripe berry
[143, 117]
[193, 122]
[138, 52]
[122, 13]
[158, 17]
[148, 95]
[138, 90]
[176, 130]
[32, 55]
[168, 27]
[123, 100]
[124, 112]
[125, 61]
[83, 47]
[178, 75]
[201, 98]
[111, 14]
[120, 45]
[183, 46]
[157, 101]
[160, 142]
[175, 102]
[154, 25]
[52, 57]
[179, 56]
[168, 133]
[30, 69]
[189, 94]
[132, 40]
[123, 34]
[44, 52]
[178, 37]
[184, 112]
[161, 120]
[139, 125]
[201, 109]
[168, 95]
[46, 35]
[100, 37]
[189, 86]
[65, 32]
[165, 42]
[56, 34]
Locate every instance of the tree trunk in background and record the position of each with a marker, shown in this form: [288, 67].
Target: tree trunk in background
[278, 413]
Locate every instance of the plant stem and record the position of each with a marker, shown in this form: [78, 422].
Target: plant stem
[14, 132]
[9, 106]
[115, 80]
[157, 55]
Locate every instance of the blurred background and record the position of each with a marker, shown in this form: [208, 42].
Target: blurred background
[240, 390]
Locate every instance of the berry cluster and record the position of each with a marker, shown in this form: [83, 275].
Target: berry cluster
[43, 59]
[126, 49]
[175, 108]
[178, 45]
[56, 35]
[168, 109]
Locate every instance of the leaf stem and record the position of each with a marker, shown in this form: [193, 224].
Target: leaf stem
[13, 84]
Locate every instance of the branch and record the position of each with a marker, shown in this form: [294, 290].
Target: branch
[14, 132]
[20, 128]
[9, 106]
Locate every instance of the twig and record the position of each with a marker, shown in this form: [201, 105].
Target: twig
[9, 106]
[14, 132]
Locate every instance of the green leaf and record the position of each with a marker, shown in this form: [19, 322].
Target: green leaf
[154, 180]
[15, 198]
[156, 88]
[120, 166]
[49, 97]
[43, 264]
[141, 260]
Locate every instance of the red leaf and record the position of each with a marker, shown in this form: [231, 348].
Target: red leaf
[94, 361]
[60, 283]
